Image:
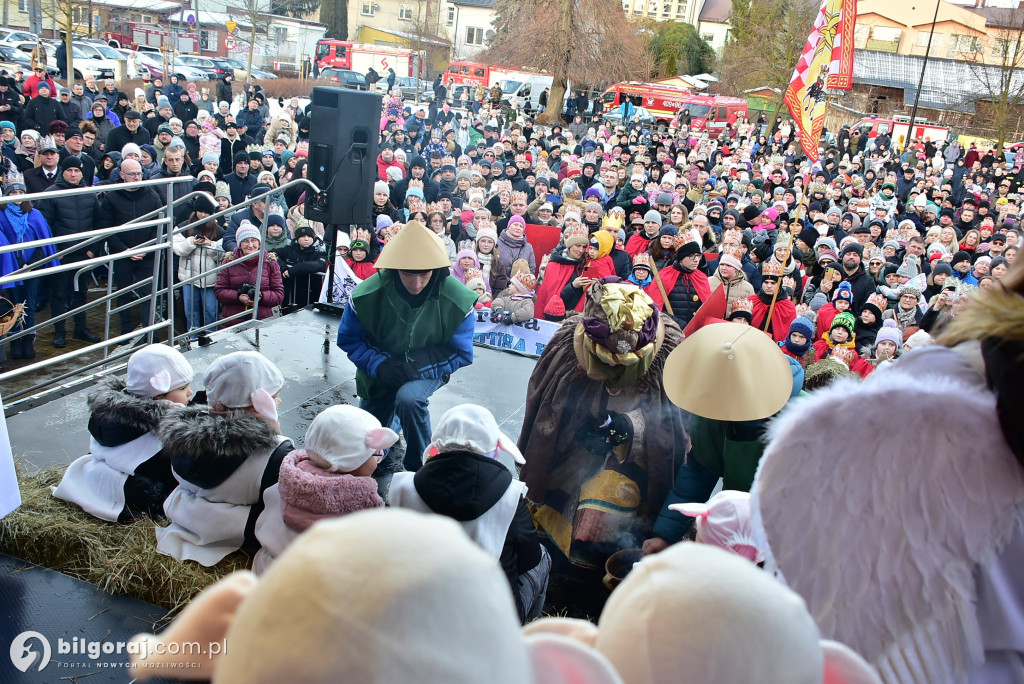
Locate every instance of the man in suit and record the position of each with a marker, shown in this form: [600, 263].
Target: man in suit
[45, 175]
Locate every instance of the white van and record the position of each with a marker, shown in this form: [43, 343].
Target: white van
[526, 89]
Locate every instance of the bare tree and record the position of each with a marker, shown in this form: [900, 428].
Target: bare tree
[573, 40]
[1000, 83]
[766, 41]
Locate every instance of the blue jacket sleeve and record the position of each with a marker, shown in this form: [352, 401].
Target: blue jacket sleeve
[444, 359]
[353, 340]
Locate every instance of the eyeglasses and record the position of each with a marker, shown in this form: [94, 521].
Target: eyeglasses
[128, 174]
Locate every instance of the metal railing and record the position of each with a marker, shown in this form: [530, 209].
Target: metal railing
[162, 283]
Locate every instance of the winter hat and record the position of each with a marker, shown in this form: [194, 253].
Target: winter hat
[652, 216]
[239, 158]
[244, 379]
[919, 338]
[475, 279]
[889, 331]
[342, 438]
[668, 230]
[384, 221]
[349, 589]
[130, 148]
[157, 369]
[724, 605]
[942, 267]
[516, 219]
[203, 203]
[803, 326]
[304, 231]
[245, 231]
[909, 267]
[826, 242]
[554, 310]
[724, 521]
[487, 232]
[150, 150]
[576, 236]
[852, 246]
[959, 257]
[394, 173]
[468, 427]
[524, 282]
[844, 320]
[70, 162]
[163, 103]
[223, 190]
[211, 157]
[381, 186]
[843, 291]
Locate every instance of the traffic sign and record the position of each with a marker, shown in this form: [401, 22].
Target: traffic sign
[190, 19]
[229, 42]
[231, 26]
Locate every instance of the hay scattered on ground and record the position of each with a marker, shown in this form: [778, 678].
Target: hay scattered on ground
[120, 559]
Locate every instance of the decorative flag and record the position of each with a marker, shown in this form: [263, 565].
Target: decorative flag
[826, 62]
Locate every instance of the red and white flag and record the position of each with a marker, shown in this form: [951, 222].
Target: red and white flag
[826, 63]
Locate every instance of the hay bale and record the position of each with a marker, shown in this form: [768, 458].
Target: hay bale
[120, 559]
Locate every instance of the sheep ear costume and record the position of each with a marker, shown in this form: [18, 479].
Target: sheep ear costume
[695, 614]
[908, 544]
[377, 597]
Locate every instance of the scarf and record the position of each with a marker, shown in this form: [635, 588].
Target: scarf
[19, 222]
[797, 349]
[906, 319]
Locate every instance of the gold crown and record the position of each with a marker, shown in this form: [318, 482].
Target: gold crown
[742, 305]
[771, 269]
[642, 259]
[733, 251]
[519, 196]
[878, 300]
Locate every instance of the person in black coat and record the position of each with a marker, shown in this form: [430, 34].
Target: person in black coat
[185, 109]
[863, 285]
[121, 206]
[417, 170]
[224, 93]
[43, 176]
[303, 264]
[74, 146]
[11, 108]
[43, 110]
[475, 488]
[239, 181]
[70, 215]
[131, 131]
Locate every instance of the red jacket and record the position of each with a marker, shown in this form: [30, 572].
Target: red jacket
[234, 276]
[31, 88]
[361, 269]
[637, 243]
[782, 317]
[670, 276]
[383, 166]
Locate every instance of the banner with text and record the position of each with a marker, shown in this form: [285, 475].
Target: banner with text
[528, 338]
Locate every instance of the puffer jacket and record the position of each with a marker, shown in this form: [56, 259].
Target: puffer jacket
[223, 464]
[70, 215]
[510, 250]
[231, 278]
[126, 474]
[196, 259]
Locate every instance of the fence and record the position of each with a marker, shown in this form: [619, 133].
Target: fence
[162, 283]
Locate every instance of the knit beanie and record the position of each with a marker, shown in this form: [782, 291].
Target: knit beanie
[245, 231]
[844, 320]
[381, 186]
[843, 291]
[555, 309]
[889, 332]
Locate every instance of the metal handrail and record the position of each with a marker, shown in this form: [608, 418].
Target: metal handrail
[160, 245]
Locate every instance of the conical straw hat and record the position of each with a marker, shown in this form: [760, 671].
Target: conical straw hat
[728, 371]
[415, 248]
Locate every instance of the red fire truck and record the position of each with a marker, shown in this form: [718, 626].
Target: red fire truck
[898, 127]
[461, 72]
[129, 34]
[343, 54]
[713, 112]
[663, 101]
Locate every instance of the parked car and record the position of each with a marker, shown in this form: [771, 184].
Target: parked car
[346, 78]
[84, 65]
[640, 116]
[154, 63]
[12, 59]
[414, 88]
[10, 36]
[239, 66]
[203, 64]
[102, 56]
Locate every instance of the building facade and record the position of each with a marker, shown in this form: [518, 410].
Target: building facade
[664, 10]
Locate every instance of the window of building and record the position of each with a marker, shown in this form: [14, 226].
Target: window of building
[708, 38]
[451, 14]
[1002, 47]
[922, 39]
[23, 5]
[405, 12]
[367, 8]
[961, 44]
[208, 40]
[474, 36]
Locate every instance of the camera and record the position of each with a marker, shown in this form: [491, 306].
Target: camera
[247, 289]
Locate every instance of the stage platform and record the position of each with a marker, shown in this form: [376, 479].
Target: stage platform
[317, 374]
[64, 609]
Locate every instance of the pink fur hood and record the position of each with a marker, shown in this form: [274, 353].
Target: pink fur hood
[309, 494]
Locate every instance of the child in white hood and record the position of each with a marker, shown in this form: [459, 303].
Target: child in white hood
[330, 477]
[126, 473]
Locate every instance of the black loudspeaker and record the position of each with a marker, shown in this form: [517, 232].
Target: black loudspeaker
[343, 137]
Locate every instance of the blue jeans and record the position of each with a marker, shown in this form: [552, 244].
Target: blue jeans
[199, 302]
[410, 405]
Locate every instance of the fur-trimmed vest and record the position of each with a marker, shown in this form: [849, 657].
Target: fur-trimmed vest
[125, 474]
[303, 495]
[223, 465]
